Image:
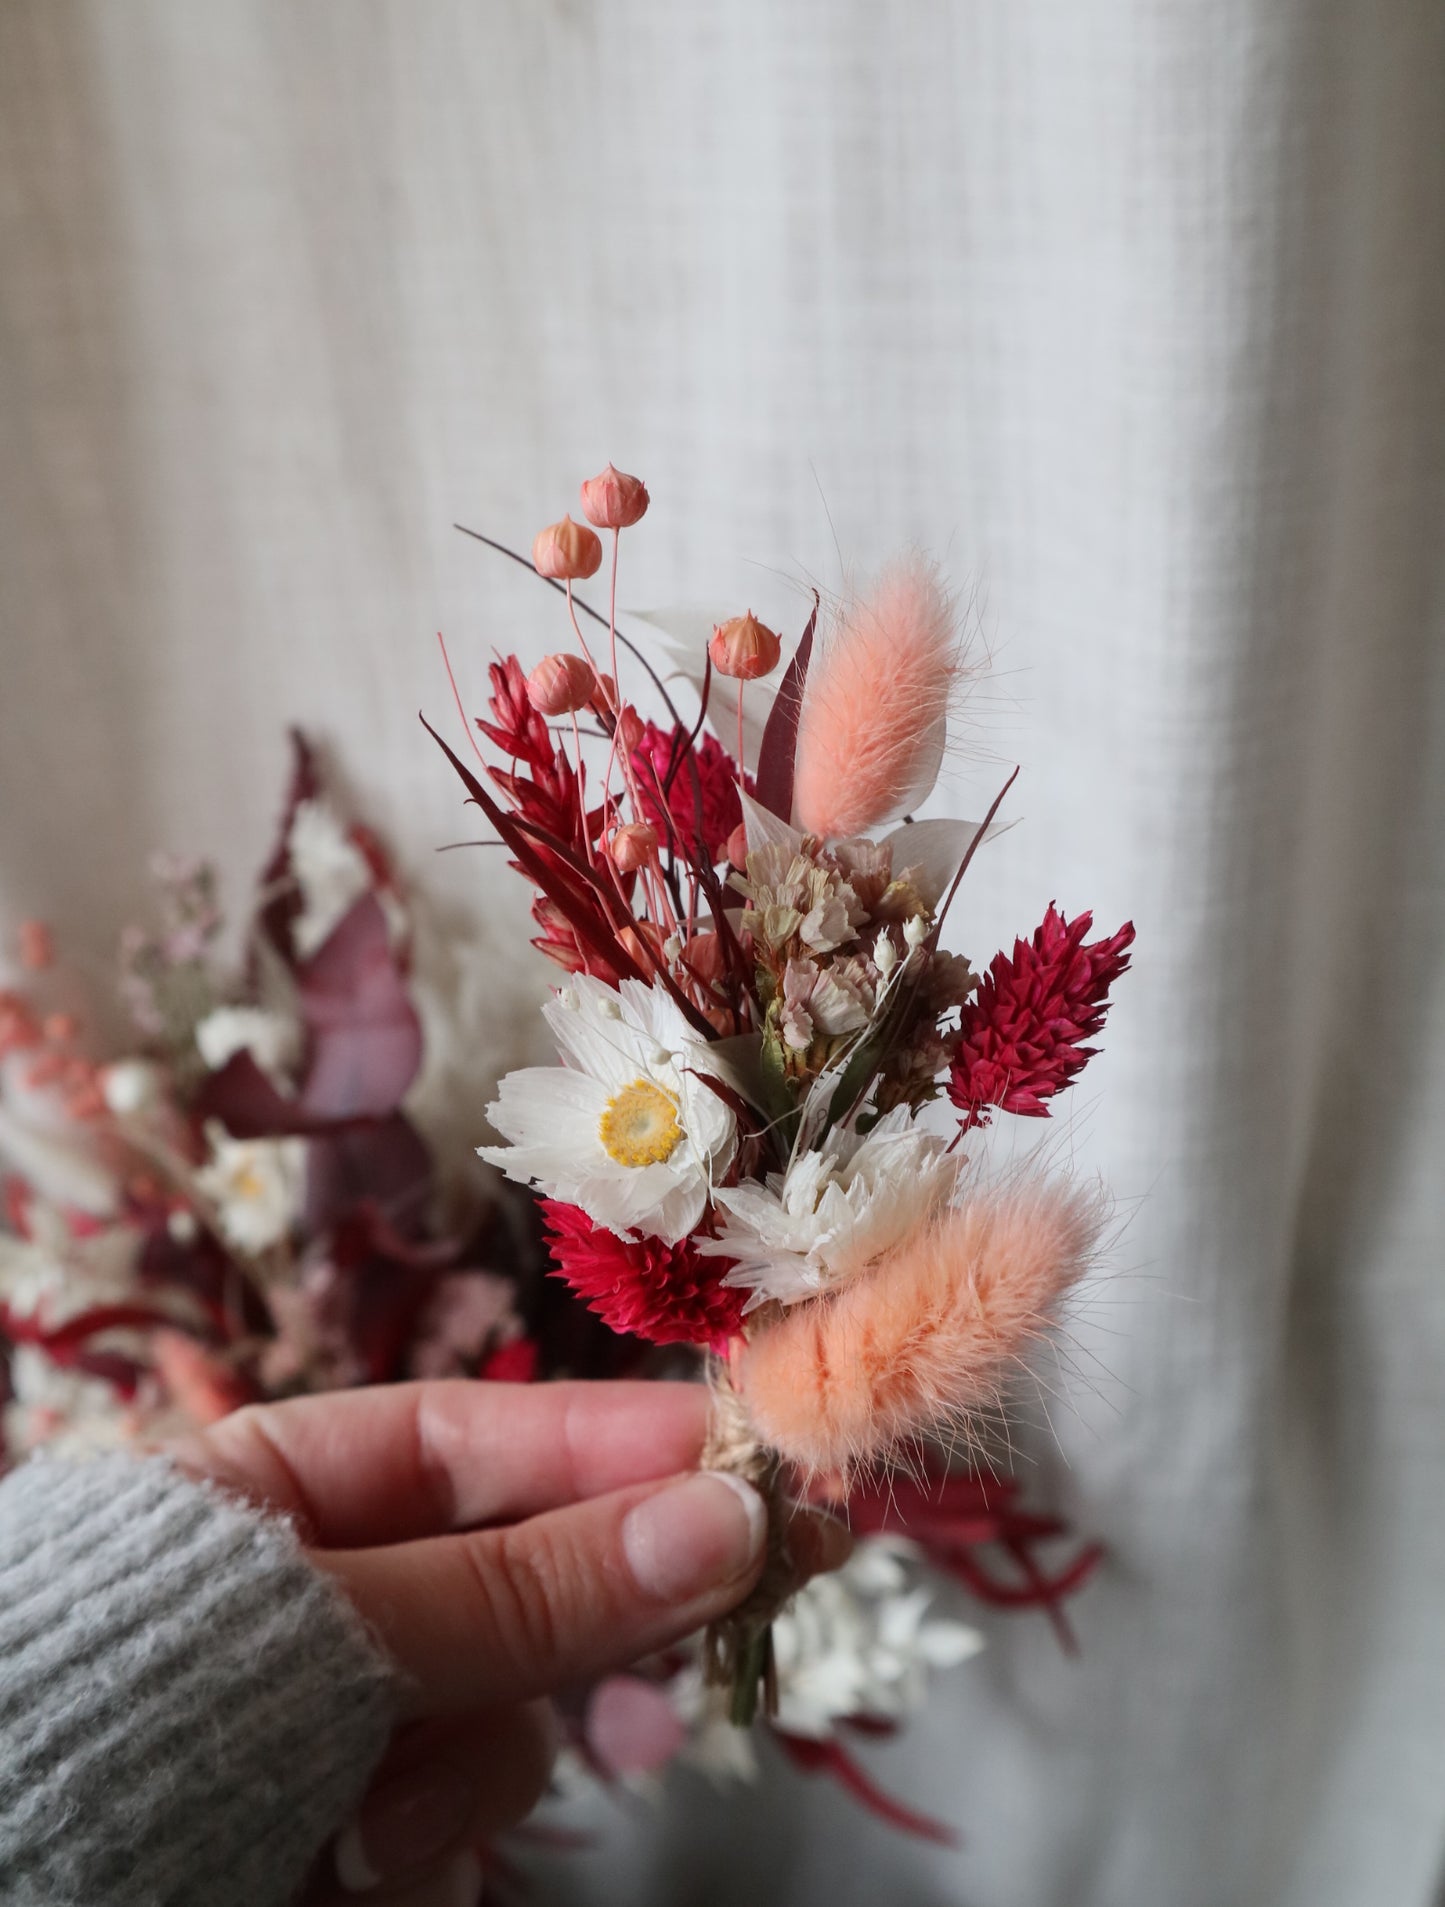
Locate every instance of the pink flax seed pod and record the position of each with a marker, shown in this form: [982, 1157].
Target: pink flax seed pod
[632, 845]
[560, 685]
[604, 697]
[567, 551]
[745, 648]
[37, 945]
[922, 1342]
[614, 501]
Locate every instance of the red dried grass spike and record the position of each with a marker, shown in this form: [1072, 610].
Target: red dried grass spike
[547, 798]
[667, 1294]
[561, 943]
[1021, 1037]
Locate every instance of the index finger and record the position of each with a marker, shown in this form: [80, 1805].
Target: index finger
[401, 1461]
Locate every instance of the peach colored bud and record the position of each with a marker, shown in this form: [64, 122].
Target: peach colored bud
[745, 648]
[644, 943]
[37, 945]
[567, 551]
[633, 845]
[738, 845]
[560, 685]
[614, 501]
[86, 1102]
[17, 1030]
[629, 730]
[604, 696]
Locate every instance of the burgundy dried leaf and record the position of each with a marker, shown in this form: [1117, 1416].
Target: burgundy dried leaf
[958, 1519]
[778, 750]
[202, 1266]
[831, 1758]
[581, 909]
[364, 1035]
[363, 1041]
[64, 1341]
[386, 1163]
[247, 1104]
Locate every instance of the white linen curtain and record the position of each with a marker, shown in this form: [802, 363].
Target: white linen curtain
[1134, 309]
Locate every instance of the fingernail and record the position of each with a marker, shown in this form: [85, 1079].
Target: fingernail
[402, 1825]
[697, 1533]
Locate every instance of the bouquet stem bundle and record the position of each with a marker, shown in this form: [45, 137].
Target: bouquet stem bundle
[738, 1651]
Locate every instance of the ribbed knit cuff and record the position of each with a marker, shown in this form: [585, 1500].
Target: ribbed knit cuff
[187, 1708]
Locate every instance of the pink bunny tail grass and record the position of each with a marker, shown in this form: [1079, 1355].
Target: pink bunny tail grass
[872, 727]
[921, 1343]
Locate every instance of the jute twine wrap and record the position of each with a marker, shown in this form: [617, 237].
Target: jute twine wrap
[738, 1649]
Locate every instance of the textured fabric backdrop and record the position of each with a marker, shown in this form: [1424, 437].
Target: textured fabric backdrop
[1135, 310]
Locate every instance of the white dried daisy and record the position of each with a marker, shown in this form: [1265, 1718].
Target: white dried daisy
[56, 1273]
[862, 1641]
[255, 1185]
[833, 1212]
[628, 1127]
[272, 1039]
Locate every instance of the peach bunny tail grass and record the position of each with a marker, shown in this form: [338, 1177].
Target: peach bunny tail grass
[875, 710]
[922, 1342]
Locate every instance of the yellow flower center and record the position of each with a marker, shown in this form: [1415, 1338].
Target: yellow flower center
[640, 1125]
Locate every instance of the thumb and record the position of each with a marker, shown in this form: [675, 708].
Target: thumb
[495, 1617]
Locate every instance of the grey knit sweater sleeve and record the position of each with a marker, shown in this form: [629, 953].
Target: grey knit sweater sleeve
[187, 1708]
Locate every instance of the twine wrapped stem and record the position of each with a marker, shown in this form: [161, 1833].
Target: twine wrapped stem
[738, 1649]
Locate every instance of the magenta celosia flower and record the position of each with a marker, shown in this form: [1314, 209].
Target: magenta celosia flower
[667, 1294]
[652, 760]
[1021, 1036]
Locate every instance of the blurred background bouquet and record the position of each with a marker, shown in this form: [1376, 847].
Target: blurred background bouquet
[271, 1192]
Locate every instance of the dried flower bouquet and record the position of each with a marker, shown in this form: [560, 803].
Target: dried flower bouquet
[757, 1012]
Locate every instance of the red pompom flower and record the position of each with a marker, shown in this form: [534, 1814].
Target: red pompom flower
[662, 751]
[1021, 1036]
[668, 1294]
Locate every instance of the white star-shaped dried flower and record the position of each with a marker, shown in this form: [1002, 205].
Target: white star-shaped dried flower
[628, 1127]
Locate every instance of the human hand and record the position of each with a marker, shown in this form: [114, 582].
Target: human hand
[502, 1541]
